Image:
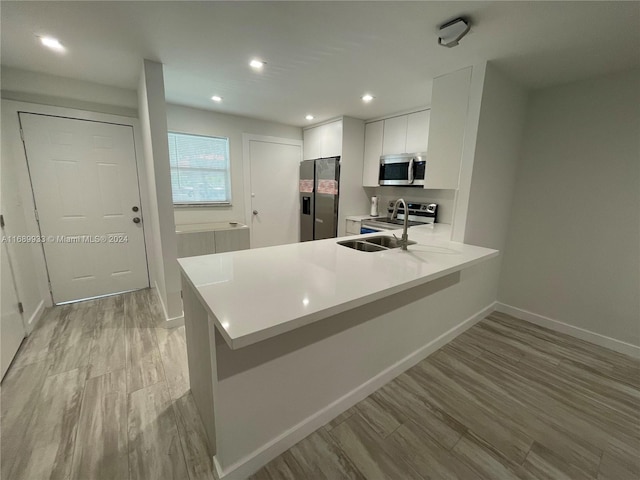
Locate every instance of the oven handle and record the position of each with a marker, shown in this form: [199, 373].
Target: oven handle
[410, 171]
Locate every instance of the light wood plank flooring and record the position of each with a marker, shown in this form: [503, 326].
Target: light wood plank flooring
[101, 391]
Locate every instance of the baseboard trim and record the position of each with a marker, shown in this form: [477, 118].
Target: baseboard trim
[558, 326]
[254, 461]
[35, 317]
[168, 322]
[174, 322]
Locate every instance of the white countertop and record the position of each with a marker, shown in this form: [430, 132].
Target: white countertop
[209, 227]
[257, 294]
[359, 218]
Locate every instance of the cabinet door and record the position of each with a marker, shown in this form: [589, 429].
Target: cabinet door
[417, 132]
[373, 133]
[331, 139]
[353, 227]
[193, 244]
[312, 143]
[232, 240]
[395, 135]
[449, 102]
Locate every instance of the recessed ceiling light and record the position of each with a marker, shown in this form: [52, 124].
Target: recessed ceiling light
[367, 97]
[256, 64]
[309, 117]
[52, 43]
[216, 98]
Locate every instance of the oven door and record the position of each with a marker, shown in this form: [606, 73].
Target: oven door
[402, 170]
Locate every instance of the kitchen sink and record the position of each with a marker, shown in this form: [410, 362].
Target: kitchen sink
[362, 246]
[373, 244]
[389, 242]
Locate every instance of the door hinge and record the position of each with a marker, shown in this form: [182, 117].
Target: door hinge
[22, 134]
[37, 218]
[20, 307]
[2, 221]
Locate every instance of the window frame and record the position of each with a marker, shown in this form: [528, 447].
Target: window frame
[210, 204]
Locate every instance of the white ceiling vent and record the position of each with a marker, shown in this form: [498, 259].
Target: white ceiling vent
[451, 32]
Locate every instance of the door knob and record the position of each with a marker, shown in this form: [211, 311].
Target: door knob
[255, 212]
[136, 219]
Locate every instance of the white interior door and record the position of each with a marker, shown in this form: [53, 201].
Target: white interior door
[85, 185]
[11, 326]
[273, 170]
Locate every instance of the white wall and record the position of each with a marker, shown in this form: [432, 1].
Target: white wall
[202, 122]
[44, 89]
[573, 250]
[159, 217]
[13, 208]
[496, 159]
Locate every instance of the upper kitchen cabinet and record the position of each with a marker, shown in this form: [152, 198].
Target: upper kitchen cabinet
[343, 138]
[406, 133]
[372, 150]
[449, 105]
[323, 141]
[417, 131]
[394, 139]
[401, 134]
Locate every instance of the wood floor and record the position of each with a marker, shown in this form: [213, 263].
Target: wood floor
[101, 391]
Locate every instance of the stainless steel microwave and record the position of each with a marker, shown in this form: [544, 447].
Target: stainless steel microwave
[407, 169]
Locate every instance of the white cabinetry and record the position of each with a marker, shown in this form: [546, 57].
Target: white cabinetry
[353, 227]
[204, 239]
[394, 139]
[231, 240]
[402, 134]
[343, 138]
[323, 141]
[417, 131]
[312, 143]
[449, 105]
[406, 133]
[372, 150]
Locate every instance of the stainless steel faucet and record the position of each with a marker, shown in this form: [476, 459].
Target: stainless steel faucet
[404, 240]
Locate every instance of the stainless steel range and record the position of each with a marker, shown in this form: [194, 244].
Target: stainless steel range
[419, 214]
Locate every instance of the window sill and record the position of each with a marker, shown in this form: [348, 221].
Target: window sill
[201, 205]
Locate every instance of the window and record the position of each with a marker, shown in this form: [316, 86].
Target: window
[199, 169]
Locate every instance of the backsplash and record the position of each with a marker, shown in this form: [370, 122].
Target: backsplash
[444, 198]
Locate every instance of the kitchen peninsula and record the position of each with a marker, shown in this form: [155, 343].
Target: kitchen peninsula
[283, 339]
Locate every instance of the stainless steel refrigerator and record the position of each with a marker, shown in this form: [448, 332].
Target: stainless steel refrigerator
[319, 192]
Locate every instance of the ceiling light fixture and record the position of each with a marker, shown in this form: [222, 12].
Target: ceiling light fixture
[309, 117]
[367, 97]
[52, 43]
[216, 98]
[452, 32]
[256, 64]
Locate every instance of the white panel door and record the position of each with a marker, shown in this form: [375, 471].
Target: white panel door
[11, 326]
[275, 210]
[85, 185]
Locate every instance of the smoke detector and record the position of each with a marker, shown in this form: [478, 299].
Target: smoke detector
[451, 32]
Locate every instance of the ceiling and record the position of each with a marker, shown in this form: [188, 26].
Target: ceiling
[321, 56]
